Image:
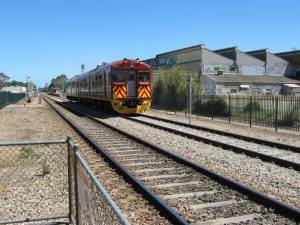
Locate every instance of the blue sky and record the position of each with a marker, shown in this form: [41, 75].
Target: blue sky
[46, 38]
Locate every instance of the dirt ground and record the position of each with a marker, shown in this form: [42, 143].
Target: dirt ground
[33, 121]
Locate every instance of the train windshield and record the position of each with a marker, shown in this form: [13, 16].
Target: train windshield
[144, 77]
[118, 76]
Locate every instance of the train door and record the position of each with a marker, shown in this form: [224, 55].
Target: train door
[131, 83]
[108, 85]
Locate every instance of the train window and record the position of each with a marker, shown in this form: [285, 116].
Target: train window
[118, 76]
[131, 76]
[144, 77]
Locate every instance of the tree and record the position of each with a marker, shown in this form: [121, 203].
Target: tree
[16, 83]
[3, 79]
[175, 81]
[59, 81]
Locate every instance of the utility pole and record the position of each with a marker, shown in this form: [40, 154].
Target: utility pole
[82, 68]
[28, 89]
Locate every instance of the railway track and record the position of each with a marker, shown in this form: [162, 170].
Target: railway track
[284, 155]
[280, 154]
[183, 191]
[283, 146]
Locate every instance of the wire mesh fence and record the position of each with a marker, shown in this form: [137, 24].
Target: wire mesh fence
[278, 112]
[7, 98]
[33, 181]
[94, 206]
[49, 181]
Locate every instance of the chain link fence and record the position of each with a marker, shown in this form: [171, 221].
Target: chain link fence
[50, 181]
[94, 205]
[7, 98]
[33, 180]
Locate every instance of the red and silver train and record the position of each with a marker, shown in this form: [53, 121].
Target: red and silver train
[125, 84]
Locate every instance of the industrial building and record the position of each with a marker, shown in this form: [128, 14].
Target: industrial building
[293, 57]
[231, 70]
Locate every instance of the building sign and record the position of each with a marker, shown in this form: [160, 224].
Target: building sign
[84, 199]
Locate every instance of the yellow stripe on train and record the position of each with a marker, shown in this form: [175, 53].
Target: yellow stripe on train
[119, 92]
[144, 91]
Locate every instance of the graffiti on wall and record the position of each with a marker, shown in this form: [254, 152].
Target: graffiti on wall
[278, 69]
[166, 61]
[252, 69]
[214, 68]
[152, 63]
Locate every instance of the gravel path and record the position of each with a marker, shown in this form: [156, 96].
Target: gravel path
[279, 153]
[41, 122]
[281, 136]
[278, 182]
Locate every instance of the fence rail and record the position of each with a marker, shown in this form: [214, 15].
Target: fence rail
[50, 181]
[7, 98]
[278, 112]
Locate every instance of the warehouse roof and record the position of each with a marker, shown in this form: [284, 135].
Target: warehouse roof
[292, 56]
[257, 79]
[181, 49]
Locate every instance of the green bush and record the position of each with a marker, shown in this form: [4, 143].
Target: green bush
[255, 107]
[174, 81]
[291, 117]
[168, 101]
[217, 107]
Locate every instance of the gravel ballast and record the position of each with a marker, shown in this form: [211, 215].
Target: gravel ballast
[282, 136]
[278, 182]
[279, 153]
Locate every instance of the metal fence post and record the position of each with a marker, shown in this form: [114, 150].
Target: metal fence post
[69, 140]
[229, 108]
[250, 112]
[212, 107]
[190, 98]
[185, 103]
[76, 185]
[276, 113]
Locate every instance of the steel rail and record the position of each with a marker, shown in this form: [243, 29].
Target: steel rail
[234, 135]
[261, 198]
[164, 208]
[233, 148]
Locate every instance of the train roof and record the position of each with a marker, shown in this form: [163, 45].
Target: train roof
[124, 63]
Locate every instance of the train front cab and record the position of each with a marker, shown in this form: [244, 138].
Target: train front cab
[131, 91]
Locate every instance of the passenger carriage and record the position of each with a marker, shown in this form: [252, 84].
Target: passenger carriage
[125, 84]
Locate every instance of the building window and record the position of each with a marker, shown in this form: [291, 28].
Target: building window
[267, 91]
[233, 91]
[232, 68]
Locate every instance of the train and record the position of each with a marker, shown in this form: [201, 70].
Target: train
[125, 85]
